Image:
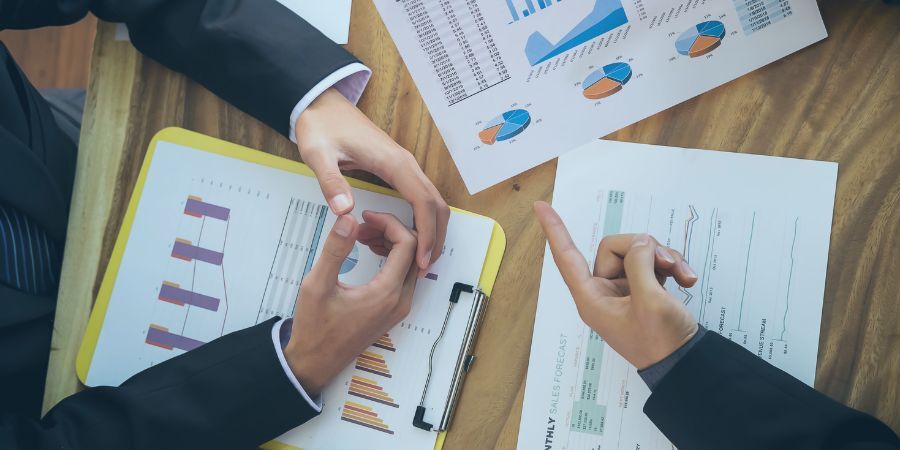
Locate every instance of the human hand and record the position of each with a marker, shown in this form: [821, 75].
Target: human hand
[623, 299]
[333, 135]
[334, 322]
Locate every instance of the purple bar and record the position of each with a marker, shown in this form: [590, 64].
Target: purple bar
[164, 339]
[172, 294]
[432, 276]
[188, 252]
[199, 208]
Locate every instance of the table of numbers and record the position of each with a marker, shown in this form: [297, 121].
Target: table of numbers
[457, 42]
[758, 14]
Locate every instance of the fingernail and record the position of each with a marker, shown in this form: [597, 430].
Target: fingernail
[687, 268]
[343, 226]
[425, 261]
[665, 255]
[640, 240]
[340, 202]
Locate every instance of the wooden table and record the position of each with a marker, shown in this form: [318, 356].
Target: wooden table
[838, 100]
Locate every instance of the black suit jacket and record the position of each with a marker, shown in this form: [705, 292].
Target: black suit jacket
[722, 397]
[232, 393]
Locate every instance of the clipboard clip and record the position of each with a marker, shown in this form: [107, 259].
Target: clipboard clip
[464, 360]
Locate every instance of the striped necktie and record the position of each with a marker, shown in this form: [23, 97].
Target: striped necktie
[29, 260]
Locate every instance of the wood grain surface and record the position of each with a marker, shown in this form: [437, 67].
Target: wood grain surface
[838, 100]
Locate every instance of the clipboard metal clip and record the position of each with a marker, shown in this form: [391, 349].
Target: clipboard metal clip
[463, 361]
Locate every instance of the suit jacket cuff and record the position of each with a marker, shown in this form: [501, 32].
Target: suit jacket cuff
[350, 81]
[654, 374]
[281, 334]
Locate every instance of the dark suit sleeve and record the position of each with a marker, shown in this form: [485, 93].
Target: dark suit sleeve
[231, 393]
[256, 54]
[720, 396]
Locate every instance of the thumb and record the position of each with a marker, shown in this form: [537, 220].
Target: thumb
[333, 184]
[337, 247]
[640, 267]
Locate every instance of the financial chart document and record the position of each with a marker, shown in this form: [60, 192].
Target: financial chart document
[220, 244]
[756, 230]
[514, 83]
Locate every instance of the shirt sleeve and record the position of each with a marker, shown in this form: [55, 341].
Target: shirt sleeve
[281, 334]
[350, 81]
[654, 374]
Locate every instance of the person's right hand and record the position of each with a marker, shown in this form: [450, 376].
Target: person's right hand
[335, 322]
[623, 299]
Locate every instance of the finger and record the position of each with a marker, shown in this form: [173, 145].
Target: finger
[337, 247]
[674, 265]
[407, 291]
[430, 212]
[403, 248]
[668, 262]
[639, 267]
[569, 260]
[334, 186]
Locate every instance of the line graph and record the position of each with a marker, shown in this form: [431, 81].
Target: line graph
[708, 263]
[746, 272]
[787, 295]
[686, 248]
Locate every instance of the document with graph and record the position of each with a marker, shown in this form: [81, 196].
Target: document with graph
[514, 83]
[218, 238]
[756, 229]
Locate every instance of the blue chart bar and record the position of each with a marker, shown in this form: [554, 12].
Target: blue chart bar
[512, 10]
[530, 6]
[541, 4]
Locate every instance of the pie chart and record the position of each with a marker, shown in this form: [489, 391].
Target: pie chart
[351, 261]
[505, 126]
[606, 80]
[701, 39]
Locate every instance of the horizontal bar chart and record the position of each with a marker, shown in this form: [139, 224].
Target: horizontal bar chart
[385, 343]
[196, 207]
[370, 390]
[364, 416]
[184, 249]
[173, 293]
[161, 337]
[373, 363]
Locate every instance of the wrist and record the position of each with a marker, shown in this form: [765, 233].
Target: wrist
[304, 369]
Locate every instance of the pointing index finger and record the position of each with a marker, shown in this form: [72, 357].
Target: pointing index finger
[569, 260]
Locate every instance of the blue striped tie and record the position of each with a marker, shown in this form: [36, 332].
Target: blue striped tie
[29, 260]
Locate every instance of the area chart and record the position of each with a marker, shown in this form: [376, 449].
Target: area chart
[505, 126]
[701, 39]
[606, 80]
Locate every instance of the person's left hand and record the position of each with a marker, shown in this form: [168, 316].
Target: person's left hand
[333, 135]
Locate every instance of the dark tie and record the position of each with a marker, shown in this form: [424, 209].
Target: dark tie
[29, 260]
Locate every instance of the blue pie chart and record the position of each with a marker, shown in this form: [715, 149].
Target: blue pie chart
[505, 126]
[351, 261]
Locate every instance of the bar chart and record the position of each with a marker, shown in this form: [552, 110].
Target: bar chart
[173, 293]
[370, 390]
[385, 343]
[185, 250]
[364, 416]
[374, 363]
[196, 207]
[161, 337]
[528, 8]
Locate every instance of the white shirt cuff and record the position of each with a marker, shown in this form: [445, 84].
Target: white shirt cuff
[280, 339]
[350, 81]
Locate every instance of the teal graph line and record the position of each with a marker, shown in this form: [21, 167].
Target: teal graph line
[787, 296]
[686, 251]
[746, 269]
[707, 265]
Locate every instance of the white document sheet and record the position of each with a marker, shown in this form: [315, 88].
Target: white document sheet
[512, 84]
[219, 244]
[755, 228]
[331, 17]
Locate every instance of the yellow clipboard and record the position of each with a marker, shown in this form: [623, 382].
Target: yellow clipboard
[198, 141]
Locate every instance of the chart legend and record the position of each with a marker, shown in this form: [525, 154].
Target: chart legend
[606, 80]
[160, 336]
[370, 390]
[701, 39]
[364, 416]
[173, 293]
[373, 363]
[505, 126]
